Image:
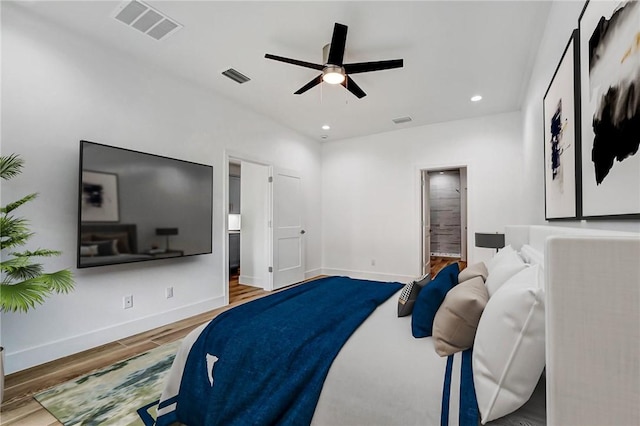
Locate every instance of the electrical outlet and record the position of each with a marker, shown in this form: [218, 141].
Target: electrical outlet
[127, 302]
[169, 292]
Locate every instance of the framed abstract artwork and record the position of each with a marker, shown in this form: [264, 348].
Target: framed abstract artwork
[610, 104]
[99, 197]
[561, 112]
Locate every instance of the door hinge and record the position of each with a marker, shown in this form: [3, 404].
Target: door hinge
[270, 179]
[270, 268]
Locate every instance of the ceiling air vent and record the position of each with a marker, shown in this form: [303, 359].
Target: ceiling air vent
[236, 76]
[401, 120]
[146, 19]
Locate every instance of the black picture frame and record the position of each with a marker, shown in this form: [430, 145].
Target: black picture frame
[562, 130]
[610, 74]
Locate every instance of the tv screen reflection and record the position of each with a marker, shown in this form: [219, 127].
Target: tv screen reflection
[135, 206]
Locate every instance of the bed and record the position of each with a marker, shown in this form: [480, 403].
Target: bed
[105, 244]
[383, 375]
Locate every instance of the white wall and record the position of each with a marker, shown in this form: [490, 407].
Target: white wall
[58, 88]
[563, 19]
[371, 191]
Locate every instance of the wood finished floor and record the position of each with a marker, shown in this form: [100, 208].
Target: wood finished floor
[19, 407]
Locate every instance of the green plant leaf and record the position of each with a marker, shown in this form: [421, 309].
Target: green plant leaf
[18, 271]
[12, 206]
[22, 296]
[27, 294]
[60, 281]
[37, 253]
[13, 231]
[10, 166]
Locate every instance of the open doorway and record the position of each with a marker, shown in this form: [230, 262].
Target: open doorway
[444, 213]
[270, 225]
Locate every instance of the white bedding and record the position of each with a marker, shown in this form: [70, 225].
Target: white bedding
[384, 376]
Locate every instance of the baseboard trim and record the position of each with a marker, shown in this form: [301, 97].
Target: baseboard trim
[31, 357]
[367, 275]
[312, 273]
[251, 281]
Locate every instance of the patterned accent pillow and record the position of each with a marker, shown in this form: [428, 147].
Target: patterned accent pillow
[409, 295]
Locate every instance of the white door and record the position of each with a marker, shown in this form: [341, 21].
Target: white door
[288, 233]
[254, 230]
[426, 224]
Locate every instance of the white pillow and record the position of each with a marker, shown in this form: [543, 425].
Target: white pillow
[90, 250]
[531, 255]
[508, 354]
[495, 260]
[507, 266]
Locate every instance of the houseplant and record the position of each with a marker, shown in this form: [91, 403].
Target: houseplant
[23, 282]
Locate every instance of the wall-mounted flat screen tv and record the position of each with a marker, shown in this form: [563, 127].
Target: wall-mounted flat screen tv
[134, 206]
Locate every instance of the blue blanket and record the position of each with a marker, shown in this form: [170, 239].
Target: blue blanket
[468, 414]
[264, 362]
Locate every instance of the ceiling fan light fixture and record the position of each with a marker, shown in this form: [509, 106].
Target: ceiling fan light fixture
[333, 74]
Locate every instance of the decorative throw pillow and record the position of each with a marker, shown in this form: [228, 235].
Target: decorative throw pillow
[456, 321]
[476, 270]
[509, 348]
[106, 248]
[507, 267]
[409, 294]
[430, 298]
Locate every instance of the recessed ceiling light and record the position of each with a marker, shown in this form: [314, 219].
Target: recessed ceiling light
[326, 127]
[476, 98]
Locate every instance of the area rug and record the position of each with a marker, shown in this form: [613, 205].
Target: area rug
[125, 393]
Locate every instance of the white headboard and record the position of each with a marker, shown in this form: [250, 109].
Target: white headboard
[592, 281]
[537, 235]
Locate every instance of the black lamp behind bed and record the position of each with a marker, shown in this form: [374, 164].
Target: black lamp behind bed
[167, 232]
[495, 241]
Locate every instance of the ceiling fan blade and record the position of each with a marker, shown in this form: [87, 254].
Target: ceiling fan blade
[295, 62]
[309, 85]
[372, 66]
[353, 87]
[338, 42]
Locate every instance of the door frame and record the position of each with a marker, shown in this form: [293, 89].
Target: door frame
[235, 156]
[427, 168]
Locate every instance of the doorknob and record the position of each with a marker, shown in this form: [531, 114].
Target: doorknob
[302, 231]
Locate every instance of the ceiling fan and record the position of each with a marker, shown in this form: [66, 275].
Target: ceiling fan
[334, 71]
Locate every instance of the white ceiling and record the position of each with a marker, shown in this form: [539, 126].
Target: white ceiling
[451, 50]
